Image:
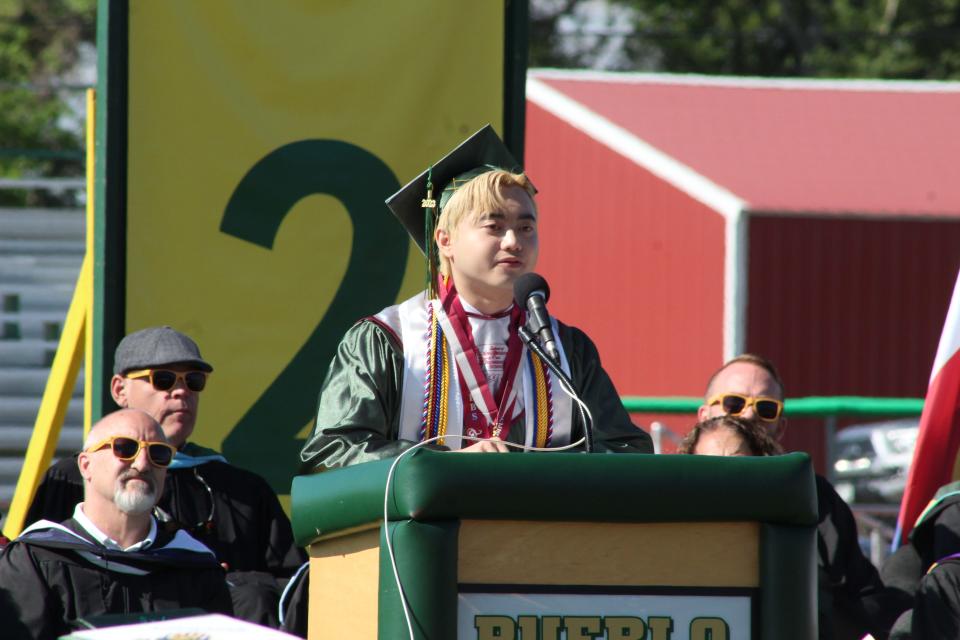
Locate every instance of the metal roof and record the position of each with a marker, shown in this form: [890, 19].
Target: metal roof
[834, 147]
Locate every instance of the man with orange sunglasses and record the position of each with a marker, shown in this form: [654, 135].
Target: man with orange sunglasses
[749, 387]
[852, 600]
[231, 510]
[111, 556]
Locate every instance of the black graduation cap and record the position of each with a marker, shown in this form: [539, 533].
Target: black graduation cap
[418, 204]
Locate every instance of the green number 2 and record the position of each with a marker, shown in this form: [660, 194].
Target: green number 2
[264, 440]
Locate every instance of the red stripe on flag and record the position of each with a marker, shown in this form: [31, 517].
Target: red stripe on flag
[938, 440]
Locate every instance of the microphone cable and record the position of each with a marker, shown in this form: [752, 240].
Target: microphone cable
[566, 384]
[386, 498]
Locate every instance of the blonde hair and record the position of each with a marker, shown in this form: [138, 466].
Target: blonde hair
[478, 196]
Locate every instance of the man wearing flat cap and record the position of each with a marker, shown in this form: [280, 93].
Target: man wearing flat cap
[233, 511]
[449, 362]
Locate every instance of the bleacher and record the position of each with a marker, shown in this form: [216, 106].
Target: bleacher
[40, 255]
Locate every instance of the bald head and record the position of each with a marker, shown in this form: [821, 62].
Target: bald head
[114, 485]
[742, 378]
[125, 422]
[739, 364]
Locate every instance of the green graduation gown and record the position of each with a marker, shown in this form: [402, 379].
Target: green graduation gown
[359, 413]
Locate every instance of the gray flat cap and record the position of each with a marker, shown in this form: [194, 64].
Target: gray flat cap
[155, 347]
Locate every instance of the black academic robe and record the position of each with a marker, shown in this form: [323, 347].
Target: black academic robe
[935, 536]
[852, 600]
[51, 585]
[936, 610]
[239, 517]
[232, 511]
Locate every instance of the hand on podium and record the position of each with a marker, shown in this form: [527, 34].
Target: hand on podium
[494, 445]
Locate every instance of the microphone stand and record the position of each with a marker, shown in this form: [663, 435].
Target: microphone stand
[530, 340]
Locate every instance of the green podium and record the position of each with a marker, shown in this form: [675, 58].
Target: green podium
[562, 546]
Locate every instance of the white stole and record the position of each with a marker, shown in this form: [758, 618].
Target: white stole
[409, 320]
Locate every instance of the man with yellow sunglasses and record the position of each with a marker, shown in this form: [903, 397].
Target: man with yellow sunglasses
[852, 600]
[111, 556]
[233, 511]
[747, 387]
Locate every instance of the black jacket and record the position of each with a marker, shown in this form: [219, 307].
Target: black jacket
[852, 600]
[50, 581]
[231, 510]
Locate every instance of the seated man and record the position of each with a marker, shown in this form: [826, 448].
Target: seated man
[111, 557]
[231, 510]
[449, 362]
[852, 599]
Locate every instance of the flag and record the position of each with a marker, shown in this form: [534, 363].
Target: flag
[938, 441]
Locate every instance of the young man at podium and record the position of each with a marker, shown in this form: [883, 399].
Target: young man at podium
[449, 363]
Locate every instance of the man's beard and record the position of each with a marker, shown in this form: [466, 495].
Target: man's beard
[134, 498]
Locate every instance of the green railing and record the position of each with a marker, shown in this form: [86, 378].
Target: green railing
[869, 517]
[830, 408]
[810, 407]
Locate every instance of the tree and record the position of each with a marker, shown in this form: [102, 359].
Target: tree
[815, 38]
[579, 33]
[41, 42]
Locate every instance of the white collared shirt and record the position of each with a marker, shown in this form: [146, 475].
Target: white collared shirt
[85, 522]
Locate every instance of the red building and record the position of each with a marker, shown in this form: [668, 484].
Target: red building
[687, 219]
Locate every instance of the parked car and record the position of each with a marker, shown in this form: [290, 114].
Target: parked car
[872, 460]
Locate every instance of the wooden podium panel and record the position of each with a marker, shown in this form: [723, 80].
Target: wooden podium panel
[343, 586]
[713, 554]
[567, 546]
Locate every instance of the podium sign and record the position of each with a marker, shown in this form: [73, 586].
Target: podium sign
[626, 616]
[563, 546]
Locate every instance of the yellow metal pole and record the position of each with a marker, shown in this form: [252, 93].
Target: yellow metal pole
[88, 324]
[53, 408]
[76, 343]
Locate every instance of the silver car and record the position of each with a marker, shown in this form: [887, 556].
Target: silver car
[872, 460]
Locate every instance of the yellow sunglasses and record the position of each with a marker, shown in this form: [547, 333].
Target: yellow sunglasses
[165, 379]
[734, 404]
[124, 448]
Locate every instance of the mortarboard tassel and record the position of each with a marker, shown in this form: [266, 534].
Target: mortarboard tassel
[430, 246]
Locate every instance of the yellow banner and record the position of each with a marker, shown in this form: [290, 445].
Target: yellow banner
[263, 138]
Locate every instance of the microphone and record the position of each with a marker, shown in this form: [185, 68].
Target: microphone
[531, 291]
